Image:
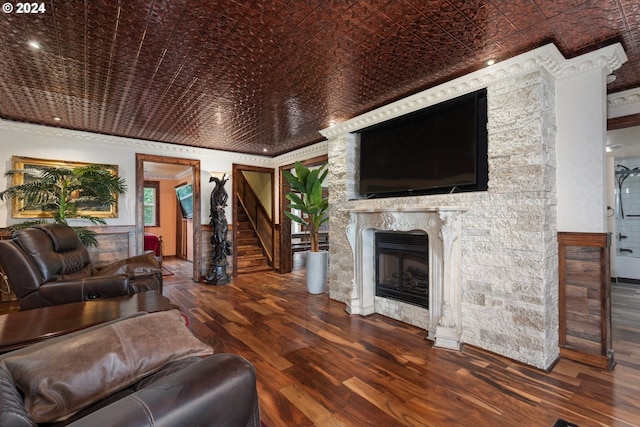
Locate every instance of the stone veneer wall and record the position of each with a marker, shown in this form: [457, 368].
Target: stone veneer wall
[509, 249]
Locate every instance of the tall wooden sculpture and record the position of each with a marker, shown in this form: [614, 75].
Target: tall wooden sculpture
[220, 246]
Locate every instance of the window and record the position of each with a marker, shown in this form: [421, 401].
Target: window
[151, 204]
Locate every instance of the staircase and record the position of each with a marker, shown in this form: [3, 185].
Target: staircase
[249, 254]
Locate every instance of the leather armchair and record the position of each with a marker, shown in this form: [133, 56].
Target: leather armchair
[218, 390]
[48, 265]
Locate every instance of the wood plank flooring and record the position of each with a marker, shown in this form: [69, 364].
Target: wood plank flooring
[318, 366]
[625, 318]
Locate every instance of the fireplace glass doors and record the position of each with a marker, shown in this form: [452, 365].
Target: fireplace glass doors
[402, 266]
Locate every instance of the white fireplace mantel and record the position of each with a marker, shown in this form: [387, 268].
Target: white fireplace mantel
[442, 225]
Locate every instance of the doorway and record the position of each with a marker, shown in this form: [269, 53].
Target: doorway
[254, 231]
[623, 167]
[194, 165]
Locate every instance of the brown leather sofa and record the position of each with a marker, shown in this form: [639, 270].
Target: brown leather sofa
[193, 389]
[48, 265]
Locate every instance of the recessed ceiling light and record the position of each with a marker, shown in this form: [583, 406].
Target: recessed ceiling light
[613, 147]
[264, 150]
[33, 44]
[56, 118]
[490, 62]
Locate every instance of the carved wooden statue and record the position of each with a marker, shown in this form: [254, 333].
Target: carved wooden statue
[220, 246]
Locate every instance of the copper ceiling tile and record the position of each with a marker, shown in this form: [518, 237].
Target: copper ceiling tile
[244, 76]
[551, 9]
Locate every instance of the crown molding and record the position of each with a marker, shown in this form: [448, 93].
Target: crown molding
[319, 149]
[547, 57]
[172, 150]
[608, 58]
[149, 177]
[623, 103]
[182, 175]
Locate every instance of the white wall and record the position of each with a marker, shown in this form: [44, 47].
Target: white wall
[580, 152]
[260, 182]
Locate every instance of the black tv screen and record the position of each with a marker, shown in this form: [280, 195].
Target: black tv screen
[439, 149]
[184, 193]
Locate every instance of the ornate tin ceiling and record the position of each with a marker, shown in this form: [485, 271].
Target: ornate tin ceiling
[265, 76]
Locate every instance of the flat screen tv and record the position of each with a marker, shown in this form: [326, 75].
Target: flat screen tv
[184, 193]
[439, 149]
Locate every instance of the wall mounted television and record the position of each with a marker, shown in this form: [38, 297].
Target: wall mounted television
[436, 150]
[184, 193]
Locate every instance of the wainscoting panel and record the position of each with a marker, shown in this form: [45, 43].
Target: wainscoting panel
[585, 298]
[114, 243]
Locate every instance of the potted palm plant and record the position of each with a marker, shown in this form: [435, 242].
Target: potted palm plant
[60, 191]
[306, 197]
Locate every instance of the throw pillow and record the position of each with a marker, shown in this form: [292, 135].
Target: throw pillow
[59, 380]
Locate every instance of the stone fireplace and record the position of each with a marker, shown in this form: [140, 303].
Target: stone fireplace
[442, 226]
[493, 264]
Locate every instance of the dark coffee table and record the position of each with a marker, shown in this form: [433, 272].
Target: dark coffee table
[23, 328]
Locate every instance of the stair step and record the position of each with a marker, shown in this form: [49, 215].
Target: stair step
[249, 261]
[246, 234]
[255, 256]
[249, 254]
[244, 265]
[249, 270]
[253, 241]
[243, 250]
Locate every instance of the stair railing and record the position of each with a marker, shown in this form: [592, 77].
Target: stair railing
[258, 217]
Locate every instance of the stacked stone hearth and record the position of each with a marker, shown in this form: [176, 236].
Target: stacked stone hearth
[506, 267]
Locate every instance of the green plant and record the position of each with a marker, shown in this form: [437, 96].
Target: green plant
[306, 196]
[61, 191]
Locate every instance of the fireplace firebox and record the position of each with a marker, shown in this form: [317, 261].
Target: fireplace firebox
[402, 266]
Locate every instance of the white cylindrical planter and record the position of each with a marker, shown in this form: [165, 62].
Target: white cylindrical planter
[317, 266]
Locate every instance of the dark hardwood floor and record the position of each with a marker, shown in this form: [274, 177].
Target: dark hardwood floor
[625, 318]
[318, 366]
